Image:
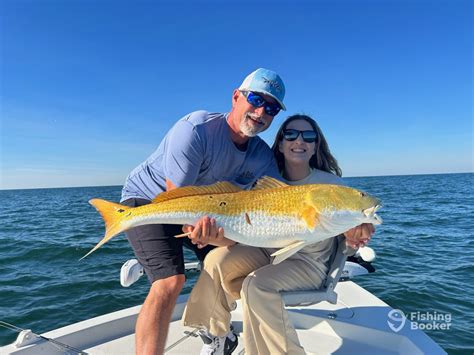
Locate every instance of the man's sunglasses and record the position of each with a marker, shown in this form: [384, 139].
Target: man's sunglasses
[292, 135]
[256, 100]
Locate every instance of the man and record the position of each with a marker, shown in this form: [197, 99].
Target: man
[202, 148]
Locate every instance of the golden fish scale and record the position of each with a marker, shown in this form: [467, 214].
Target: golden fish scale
[279, 201]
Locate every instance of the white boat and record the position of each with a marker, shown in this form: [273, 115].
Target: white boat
[349, 320]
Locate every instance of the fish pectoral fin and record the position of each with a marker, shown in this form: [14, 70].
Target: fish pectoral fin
[286, 252]
[309, 216]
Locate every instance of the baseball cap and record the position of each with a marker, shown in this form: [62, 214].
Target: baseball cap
[266, 82]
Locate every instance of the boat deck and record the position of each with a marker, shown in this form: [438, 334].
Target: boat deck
[356, 324]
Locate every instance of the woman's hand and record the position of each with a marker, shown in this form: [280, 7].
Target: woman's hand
[206, 232]
[359, 236]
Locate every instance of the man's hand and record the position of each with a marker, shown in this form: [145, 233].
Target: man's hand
[359, 236]
[206, 232]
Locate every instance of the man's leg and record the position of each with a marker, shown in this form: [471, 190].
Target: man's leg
[154, 318]
[161, 256]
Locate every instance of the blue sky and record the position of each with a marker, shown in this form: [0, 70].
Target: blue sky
[89, 88]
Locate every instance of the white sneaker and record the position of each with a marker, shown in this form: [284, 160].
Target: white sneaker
[130, 272]
[218, 345]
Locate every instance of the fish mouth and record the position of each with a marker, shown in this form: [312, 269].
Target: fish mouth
[371, 214]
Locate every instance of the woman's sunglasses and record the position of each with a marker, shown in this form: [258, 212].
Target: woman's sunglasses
[256, 100]
[292, 135]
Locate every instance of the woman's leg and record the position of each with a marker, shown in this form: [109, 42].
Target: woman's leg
[211, 300]
[267, 328]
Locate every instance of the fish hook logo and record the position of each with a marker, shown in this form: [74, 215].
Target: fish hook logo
[399, 319]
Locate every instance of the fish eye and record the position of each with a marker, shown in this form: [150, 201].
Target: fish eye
[363, 194]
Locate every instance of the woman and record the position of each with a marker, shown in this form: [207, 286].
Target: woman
[246, 272]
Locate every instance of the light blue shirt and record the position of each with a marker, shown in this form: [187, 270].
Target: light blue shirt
[198, 150]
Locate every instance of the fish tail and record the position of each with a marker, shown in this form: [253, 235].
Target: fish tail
[113, 214]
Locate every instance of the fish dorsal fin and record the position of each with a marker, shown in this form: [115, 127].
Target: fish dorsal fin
[268, 182]
[186, 191]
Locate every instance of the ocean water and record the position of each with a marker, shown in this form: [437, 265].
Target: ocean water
[425, 255]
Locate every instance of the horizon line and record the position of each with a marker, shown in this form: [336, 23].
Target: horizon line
[361, 176]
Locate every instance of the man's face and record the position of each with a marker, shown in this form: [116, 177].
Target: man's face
[252, 120]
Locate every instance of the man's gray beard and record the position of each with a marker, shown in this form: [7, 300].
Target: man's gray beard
[248, 130]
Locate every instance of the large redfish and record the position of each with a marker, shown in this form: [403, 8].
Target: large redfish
[272, 214]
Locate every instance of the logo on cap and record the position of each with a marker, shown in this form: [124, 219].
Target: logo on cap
[272, 83]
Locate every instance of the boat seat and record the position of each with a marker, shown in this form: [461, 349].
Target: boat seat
[326, 292]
